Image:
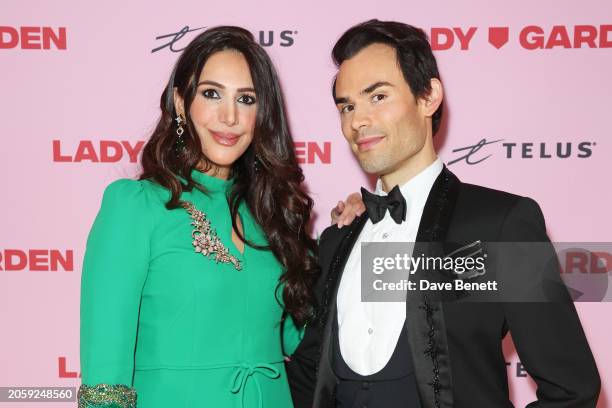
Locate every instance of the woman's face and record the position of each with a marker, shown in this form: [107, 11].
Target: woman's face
[223, 110]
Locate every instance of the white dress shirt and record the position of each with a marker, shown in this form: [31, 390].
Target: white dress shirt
[368, 331]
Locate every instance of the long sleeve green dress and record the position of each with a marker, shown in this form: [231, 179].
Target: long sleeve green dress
[168, 325]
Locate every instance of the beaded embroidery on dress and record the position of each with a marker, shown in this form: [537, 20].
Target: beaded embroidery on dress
[106, 395]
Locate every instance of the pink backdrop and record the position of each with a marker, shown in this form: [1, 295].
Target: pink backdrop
[80, 82]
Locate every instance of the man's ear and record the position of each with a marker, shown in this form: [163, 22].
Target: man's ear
[178, 103]
[432, 101]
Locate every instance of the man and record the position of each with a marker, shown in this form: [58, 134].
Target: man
[423, 353]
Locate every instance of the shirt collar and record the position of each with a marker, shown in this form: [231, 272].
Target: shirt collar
[416, 190]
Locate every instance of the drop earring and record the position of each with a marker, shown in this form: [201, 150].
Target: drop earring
[256, 164]
[179, 144]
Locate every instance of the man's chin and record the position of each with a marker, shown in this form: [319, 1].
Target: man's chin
[373, 169]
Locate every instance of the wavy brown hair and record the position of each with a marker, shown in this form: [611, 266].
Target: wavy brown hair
[266, 177]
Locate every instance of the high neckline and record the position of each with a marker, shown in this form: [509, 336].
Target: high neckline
[211, 183]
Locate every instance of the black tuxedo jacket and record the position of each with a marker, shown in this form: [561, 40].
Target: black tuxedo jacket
[457, 347]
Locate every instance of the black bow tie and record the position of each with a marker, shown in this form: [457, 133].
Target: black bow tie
[377, 206]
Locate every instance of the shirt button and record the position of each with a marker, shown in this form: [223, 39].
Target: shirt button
[370, 330]
[365, 385]
[385, 235]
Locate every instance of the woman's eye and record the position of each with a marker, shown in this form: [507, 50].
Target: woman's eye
[378, 97]
[210, 94]
[247, 99]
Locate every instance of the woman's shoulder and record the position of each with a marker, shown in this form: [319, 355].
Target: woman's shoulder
[123, 187]
[134, 196]
[137, 190]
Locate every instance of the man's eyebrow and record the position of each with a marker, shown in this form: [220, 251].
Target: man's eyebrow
[365, 91]
[221, 86]
[374, 86]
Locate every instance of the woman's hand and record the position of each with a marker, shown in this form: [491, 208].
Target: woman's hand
[345, 212]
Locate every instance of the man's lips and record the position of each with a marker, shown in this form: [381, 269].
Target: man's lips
[224, 138]
[367, 143]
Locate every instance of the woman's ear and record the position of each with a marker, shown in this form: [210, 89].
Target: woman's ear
[178, 103]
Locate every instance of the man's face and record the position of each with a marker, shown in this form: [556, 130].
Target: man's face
[381, 119]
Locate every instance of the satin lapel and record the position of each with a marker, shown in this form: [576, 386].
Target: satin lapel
[424, 316]
[326, 380]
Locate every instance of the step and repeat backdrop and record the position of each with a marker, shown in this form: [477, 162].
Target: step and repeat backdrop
[527, 93]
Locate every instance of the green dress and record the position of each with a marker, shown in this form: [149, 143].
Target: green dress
[171, 325]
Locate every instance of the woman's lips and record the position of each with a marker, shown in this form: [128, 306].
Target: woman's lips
[225, 139]
[368, 143]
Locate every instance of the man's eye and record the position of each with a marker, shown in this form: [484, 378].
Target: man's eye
[210, 94]
[346, 109]
[378, 97]
[247, 99]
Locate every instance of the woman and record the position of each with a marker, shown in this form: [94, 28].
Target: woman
[189, 270]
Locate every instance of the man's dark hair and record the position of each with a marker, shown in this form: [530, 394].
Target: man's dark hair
[414, 54]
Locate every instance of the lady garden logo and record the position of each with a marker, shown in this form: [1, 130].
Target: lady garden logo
[33, 38]
[531, 37]
[36, 260]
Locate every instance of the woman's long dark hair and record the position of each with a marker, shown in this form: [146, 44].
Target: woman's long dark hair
[266, 177]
